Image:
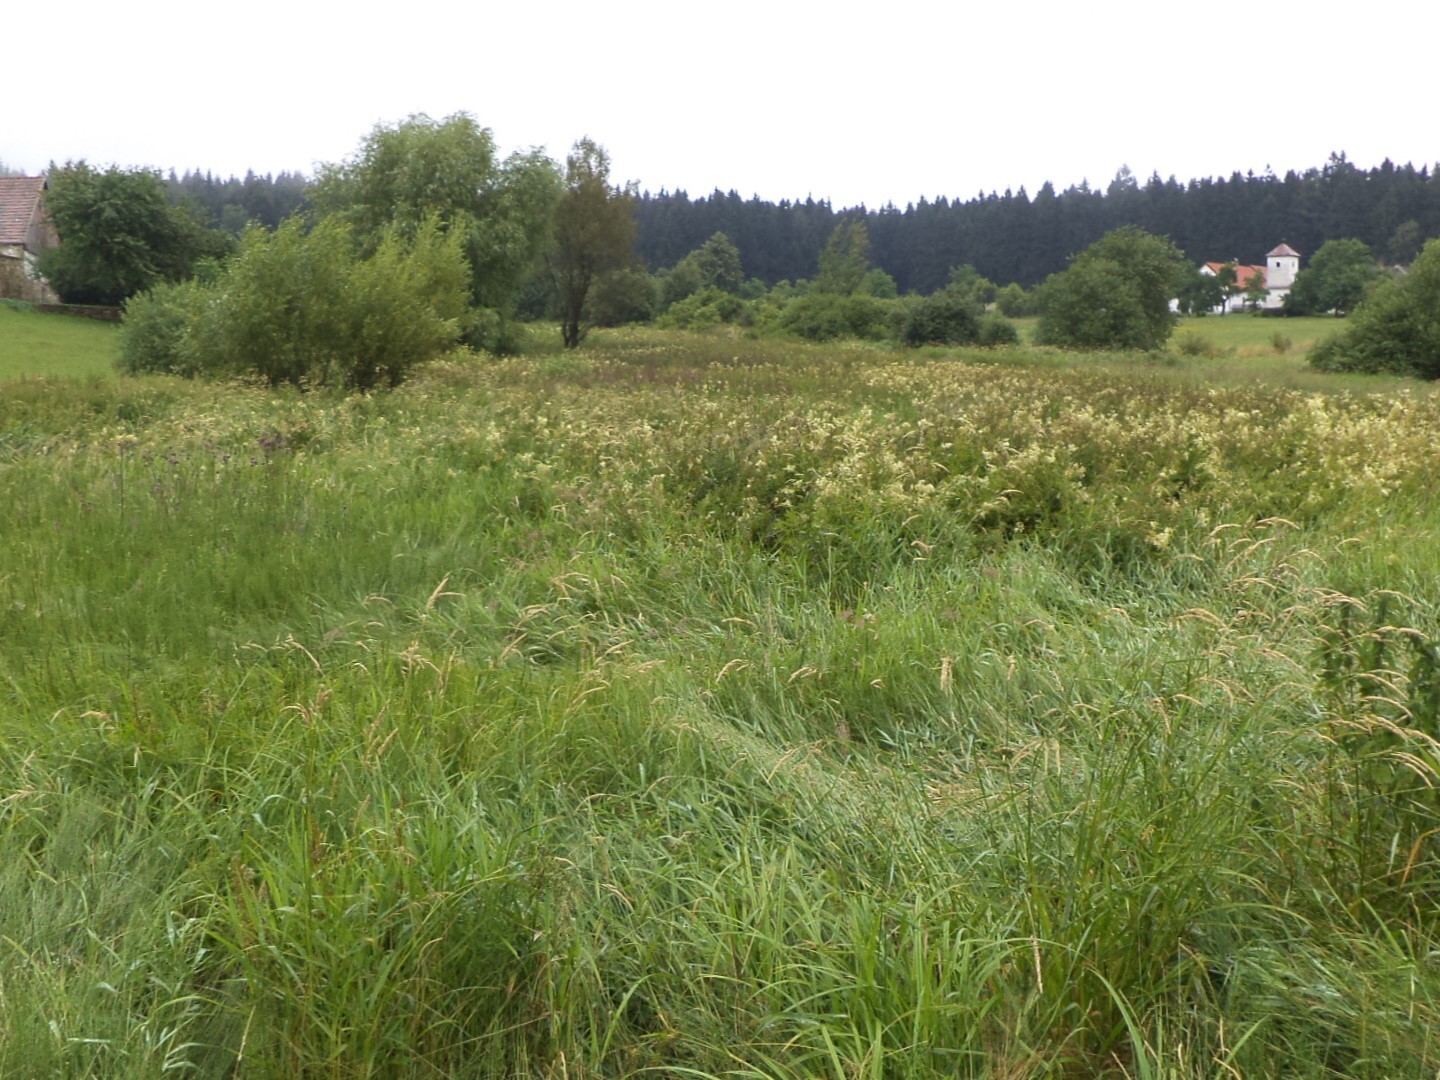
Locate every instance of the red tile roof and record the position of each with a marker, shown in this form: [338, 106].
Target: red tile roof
[19, 203]
[1243, 274]
[1284, 249]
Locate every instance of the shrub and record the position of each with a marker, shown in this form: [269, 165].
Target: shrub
[1280, 343]
[622, 296]
[298, 308]
[156, 327]
[996, 332]
[947, 318]
[1336, 279]
[1013, 301]
[708, 307]
[1396, 329]
[879, 284]
[829, 316]
[1194, 345]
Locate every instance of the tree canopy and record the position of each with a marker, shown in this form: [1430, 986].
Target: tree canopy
[420, 169]
[119, 234]
[1335, 280]
[717, 264]
[1395, 329]
[1199, 294]
[1114, 295]
[1024, 236]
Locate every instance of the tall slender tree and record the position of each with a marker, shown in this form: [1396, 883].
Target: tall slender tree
[594, 233]
[845, 258]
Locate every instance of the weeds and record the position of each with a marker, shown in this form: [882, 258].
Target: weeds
[717, 708]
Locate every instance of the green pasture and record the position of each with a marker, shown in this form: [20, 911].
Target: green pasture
[1252, 335]
[693, 706]
[1233, 350]
[63, 346]
[1242, 335]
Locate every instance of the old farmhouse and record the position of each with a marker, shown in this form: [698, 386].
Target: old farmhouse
[24, 233]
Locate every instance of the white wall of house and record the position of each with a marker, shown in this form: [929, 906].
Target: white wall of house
[1233, 303]
[1281, 266]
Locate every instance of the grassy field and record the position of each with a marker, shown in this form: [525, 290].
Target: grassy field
[54, 345]
[697, 707]
[1249, 335]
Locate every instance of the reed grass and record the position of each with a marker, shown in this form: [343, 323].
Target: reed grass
[698, 707]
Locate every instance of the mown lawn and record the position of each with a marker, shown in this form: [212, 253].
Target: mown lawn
[63, 346]
[693, 706]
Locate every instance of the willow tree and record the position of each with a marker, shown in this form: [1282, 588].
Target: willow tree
[594, 233]
[448, 171]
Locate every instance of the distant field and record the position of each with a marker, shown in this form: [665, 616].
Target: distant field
[35, 344]
[1239, 350]
[1249, 335]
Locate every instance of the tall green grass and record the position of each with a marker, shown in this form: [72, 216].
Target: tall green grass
[696, 707]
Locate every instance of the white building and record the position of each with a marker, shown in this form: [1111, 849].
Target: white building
[1281, 266]
[1277, 276]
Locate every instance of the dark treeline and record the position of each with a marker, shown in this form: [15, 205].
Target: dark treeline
[232, 203]
[1017, 237]
[1010, 237]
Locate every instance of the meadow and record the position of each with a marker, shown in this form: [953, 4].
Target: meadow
[54, 345]
[693, 706]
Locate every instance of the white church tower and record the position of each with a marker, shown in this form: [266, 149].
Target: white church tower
[1281, 266]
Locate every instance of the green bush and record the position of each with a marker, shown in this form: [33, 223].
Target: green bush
[879, 284]
[1014, 302]
[304, 308]
[1336, 280]
[830, 316]
[708, 307]
[1194, 345]
[946, 318]
[156, 327]
[622, 296]
[996, 333]
[1396, 329]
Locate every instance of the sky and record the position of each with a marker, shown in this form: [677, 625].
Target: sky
[870, 103]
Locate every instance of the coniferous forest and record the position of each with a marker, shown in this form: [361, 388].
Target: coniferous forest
[233, 202]
[1006, 237]
[1023, 238]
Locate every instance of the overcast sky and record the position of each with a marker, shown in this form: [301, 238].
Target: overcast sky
[872, 103]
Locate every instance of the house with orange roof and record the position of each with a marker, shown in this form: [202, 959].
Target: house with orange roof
[1276, 277]
[1236, 299]
[25, 232]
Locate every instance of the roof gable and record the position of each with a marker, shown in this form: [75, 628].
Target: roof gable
[19, 206]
